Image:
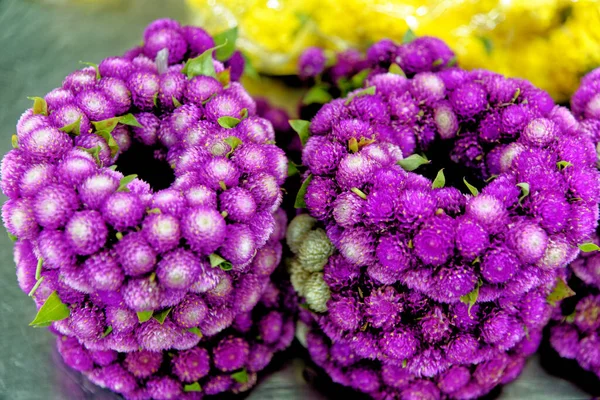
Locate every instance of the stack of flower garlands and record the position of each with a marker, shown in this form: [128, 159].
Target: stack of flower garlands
[160, 288]
[552, 43]
[575, 333]
[443, 207]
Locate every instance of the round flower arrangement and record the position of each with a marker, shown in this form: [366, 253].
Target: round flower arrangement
[228, 361]
[443, 207]
[575, 333]
[171, 256]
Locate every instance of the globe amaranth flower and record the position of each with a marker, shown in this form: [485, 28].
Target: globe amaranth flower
[138, 264]
[443, 275]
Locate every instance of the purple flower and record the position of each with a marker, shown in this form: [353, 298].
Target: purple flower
[230, 354]
[311, 62]
[191, 365]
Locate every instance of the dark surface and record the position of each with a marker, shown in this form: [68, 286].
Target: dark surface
[40, 43]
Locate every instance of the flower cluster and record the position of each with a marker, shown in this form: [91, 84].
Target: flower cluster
[228, 361]
[137, 265]
[437, 287]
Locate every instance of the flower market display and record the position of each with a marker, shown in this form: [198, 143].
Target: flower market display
[552, 43]
[443, 206]
[576, 332]
[143, 196]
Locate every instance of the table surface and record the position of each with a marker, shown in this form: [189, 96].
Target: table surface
[40, 43]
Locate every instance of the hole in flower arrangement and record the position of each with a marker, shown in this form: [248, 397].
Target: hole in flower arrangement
[142, 160]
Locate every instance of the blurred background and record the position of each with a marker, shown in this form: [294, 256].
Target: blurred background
[43, 40]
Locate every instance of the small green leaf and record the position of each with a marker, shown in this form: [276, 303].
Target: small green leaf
[39, 105]
[195, 331]
[563, 164]
[222, 185]
[113, 167]
[353, 145]
[359, 78]
[155, 99]
[516, 95]
[571, 317]
[588, 247]
[107, 125]
[201, 65]
[215, 260]
[471, 298]
[126, 180]
[437, 62]
[38, 268]
[192, 387]
[318, 94]
[471, 188]
[176, 102]
[360, 93]
[412, 162]
[129, 119]
[396, 70]
[452, 62]
[240, 376]
[91, 64]
[153, 211]
[107, 331]
[292, 169]
[74, 127]
[249, 69]
[228, 122]
[488, 45]
[244, 113]
[404, 363]
[491, 178]
[227, 41]
[524, 190]
[162, 315]
[52, 310]
[110, 141]
[144, 316]
[224, 77]
[14, 140]
[35, 287]
[119, 235]
[94, 151]
[440, 180]
[12, 237]
[561, 291]
[226, 266]
[301, 127]
[224, 214]
[233, 142]
[359, 193]
[300, 202]
[409, 36]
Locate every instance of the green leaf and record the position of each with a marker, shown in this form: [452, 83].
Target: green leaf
[119, 235]
[249, 69]
[360, 77]
[162, 315]
[396, 70]
[215, 260]
[126, 180]
[516, 95]
[39, 105]
[292, 169]
[228, 122]
[471, 298]
[110, 141]
[38, 268]
[571, 317]
[440, 180]
[155, 99]
[107, 331]
[12, 237]
[222, 185]
[74, 127]
[14, 140]
[192, 387]
[524, 190]
[91, 64]
[412, 162]
[244, 113]
[52, 310]
[563, 164]
[233, 142]
[94, 151]
[353, 145]
[176, 102]
[588, 247]
[360, 93]
[488, 45]
[195, 331]
[471, 188]
[404, 363]
[201, 65]
[409, 36]
[113, 167]
[240, 376]
[144, 316]
[129, 119]
[561, 291]
[35, 287]
[154, 211]
[300, 202]
[107, 125]
[301, 127]
[224, 77]
[437, 62]
[491, 178]
[226, 266]
[452, 62]
[359, 193]
[318, 94]
[227, 41]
